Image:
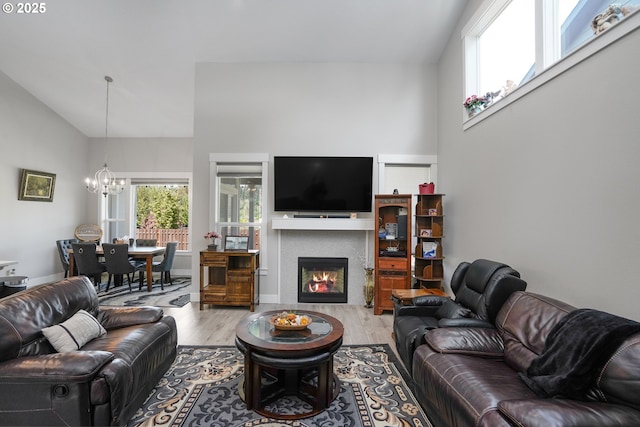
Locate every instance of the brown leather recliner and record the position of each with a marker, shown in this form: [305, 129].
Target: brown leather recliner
[480, 289]
[103, 383]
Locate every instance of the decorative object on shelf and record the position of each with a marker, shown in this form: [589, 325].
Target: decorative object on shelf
[214, 236]
[429, 249]
[104, 181]
[609, 17]
[427, 188]
[425, 232]
[36, 186]
[369, 286]
[236, 243]
[88, 233]
[508, 87]
[474, 104]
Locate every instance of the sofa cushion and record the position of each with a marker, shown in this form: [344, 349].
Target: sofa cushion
[566, 413]
[74, 333]
[524, 322]
[464, 387]
[480, 342]
[576, 350]
[452, 310]
[619, 381]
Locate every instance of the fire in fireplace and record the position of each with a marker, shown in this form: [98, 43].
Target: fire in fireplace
[322, 280]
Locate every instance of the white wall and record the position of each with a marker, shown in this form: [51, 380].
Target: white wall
[307, 109]
[549, 184]
[34, 137]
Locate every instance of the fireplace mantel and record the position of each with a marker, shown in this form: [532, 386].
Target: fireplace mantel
[320, 237]
[364, 224]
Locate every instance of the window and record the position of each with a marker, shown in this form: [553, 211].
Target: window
[507, 43]
[114, 216]
[150, 207]
[240, 204]
[161, 212]
[238, 191]
[507, 49]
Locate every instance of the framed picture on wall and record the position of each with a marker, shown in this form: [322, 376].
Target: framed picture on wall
[236, 243]
[36, 186]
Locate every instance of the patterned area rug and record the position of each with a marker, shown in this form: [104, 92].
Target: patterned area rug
[175, 295]
[201, 389]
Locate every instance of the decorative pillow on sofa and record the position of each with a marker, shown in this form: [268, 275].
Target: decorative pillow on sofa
[73, 333]
[452, 310]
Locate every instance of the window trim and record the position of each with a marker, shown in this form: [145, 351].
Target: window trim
[481, 19]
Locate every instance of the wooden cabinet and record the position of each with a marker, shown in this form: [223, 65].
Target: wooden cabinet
[393, 248]
[229, 278]
[429, 228]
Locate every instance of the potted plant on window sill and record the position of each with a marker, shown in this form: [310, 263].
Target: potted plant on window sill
[214, 236]
[474, 104]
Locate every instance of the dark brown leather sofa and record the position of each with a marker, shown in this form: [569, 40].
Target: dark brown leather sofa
[469, 376]
[103, 383]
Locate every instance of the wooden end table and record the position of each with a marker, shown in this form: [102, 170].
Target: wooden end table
[279, 363]
[404, 296]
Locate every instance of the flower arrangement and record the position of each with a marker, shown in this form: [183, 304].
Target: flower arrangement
[212, 235]
[475, 101]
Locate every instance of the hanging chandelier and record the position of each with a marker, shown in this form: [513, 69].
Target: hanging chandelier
[104, 181]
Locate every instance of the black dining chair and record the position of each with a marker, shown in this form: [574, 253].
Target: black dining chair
[86, 260]
[146, 242]
[118, 264]
[164, 267]
[63, 251]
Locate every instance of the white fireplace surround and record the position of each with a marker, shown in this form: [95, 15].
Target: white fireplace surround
[322, 237]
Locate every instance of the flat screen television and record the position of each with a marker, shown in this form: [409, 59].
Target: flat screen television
[323, 184]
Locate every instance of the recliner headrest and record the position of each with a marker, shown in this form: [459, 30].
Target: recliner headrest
[479, 273]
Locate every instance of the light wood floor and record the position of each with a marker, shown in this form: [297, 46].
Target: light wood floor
[215, 325]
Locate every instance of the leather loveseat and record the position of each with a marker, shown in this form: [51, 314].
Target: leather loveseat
[102, 383]
[480, 289]
[470, 376]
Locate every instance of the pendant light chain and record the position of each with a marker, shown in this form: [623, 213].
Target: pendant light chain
[104, 181]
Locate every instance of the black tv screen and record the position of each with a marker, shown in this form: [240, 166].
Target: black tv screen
[323, 184]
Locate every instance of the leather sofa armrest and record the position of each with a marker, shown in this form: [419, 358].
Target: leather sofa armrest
[567, 413]
[121, 317]
[429, 300]
[464, 322]
[72, 367]
[414, 310]
[480, 342]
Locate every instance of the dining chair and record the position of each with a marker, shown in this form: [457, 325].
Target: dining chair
[146, 242]
[118, 264]
[164, 267]
[86, 260]
[63, 251]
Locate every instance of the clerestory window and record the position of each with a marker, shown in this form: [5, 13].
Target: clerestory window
[508, 43]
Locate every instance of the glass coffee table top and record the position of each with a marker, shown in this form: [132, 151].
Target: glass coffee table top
[262, 329]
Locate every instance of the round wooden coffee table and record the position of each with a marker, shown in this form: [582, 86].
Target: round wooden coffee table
[279, 363]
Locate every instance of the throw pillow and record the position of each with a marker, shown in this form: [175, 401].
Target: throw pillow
[452, 310]
[74, 332]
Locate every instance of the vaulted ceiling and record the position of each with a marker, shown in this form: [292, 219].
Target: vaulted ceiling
[150, 48]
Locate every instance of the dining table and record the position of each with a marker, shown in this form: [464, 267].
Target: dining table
[136, 252]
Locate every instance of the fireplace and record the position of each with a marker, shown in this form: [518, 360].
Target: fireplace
[322, 280]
